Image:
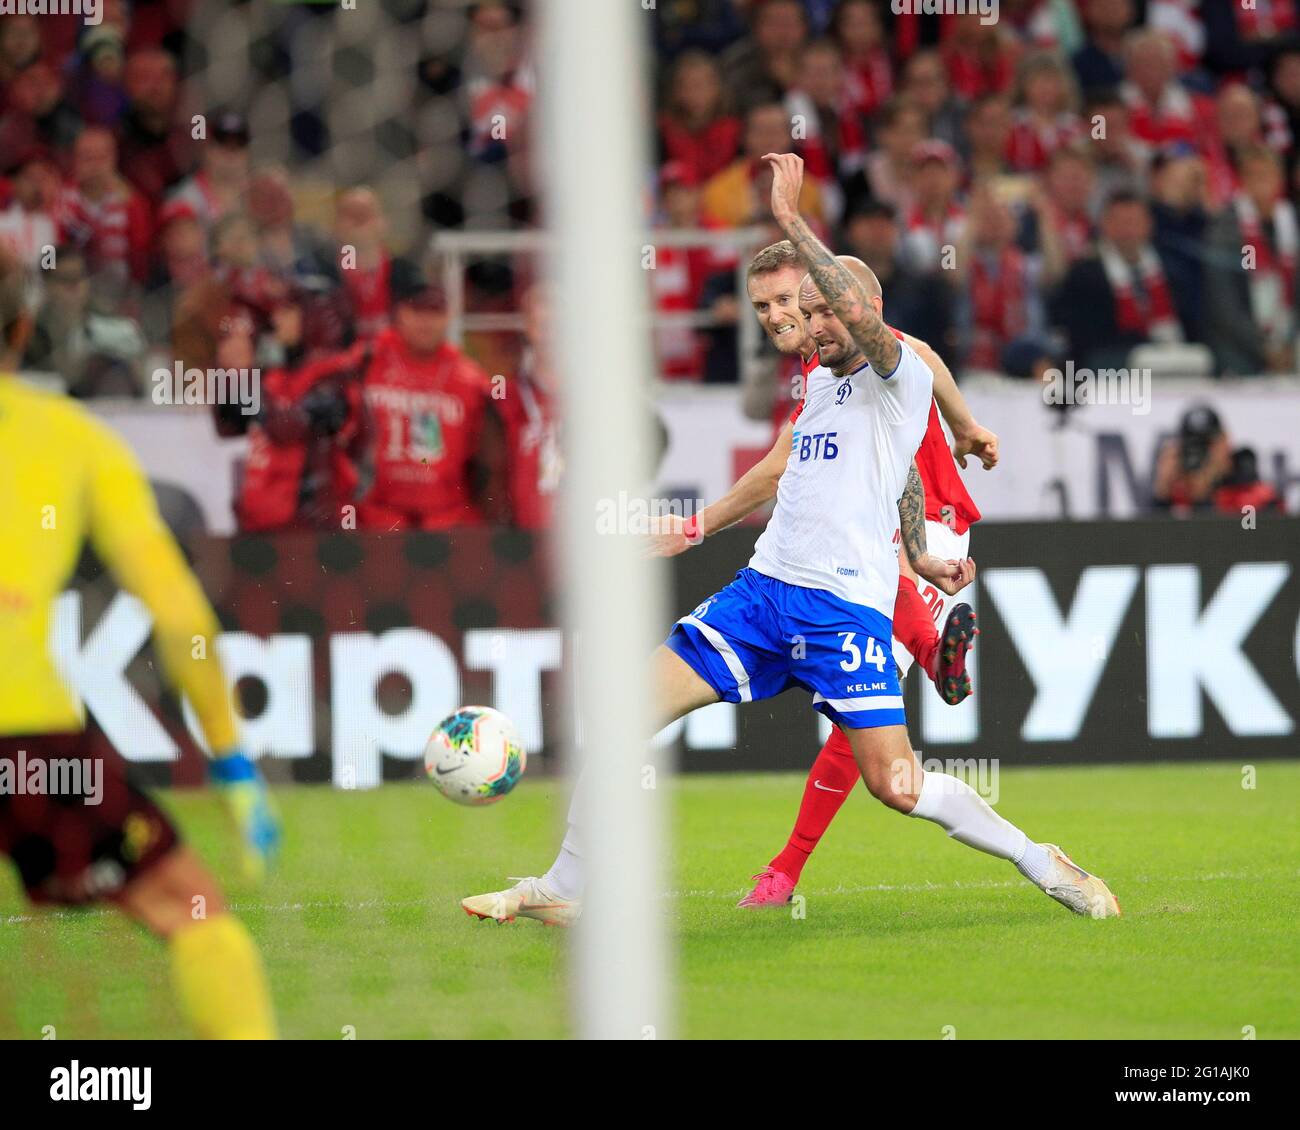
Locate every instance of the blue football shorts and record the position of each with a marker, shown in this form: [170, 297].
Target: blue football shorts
[760, 636]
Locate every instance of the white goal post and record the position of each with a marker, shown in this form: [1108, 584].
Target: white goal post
[591, 146]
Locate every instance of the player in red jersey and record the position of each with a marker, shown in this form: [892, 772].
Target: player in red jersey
[919, 608]
[528, 411]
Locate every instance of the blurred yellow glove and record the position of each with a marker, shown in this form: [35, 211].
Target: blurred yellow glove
[244, 794]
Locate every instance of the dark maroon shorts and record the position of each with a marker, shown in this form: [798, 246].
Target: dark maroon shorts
[76, 828]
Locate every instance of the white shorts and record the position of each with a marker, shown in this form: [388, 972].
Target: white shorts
[942, 542]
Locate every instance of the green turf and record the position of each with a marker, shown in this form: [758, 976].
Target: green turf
[903, 933]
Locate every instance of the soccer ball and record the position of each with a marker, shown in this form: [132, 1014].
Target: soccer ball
[474, 756]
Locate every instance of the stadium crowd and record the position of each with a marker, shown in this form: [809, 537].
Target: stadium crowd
[1066, 182]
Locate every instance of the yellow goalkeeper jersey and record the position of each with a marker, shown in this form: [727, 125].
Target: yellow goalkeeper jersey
[65, 477]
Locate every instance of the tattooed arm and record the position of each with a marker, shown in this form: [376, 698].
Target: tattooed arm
[911, 517]
[843, 293]
[948, 576]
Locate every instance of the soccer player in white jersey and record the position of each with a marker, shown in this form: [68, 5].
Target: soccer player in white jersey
[813, 608]
[933, 629]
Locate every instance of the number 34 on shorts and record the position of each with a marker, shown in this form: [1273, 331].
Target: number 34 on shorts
[760, 636]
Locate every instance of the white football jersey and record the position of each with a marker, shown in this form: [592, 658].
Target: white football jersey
[837, 500]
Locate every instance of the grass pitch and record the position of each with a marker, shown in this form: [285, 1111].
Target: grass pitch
[902, 933]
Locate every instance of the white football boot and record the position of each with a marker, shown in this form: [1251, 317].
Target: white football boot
[528, 898]
[1075, 888]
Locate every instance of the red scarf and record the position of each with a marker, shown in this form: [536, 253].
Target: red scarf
[871, 83]
[1031, 143]
[1074, 232]
[1272, 255]
[998, 313]
[1154, 318]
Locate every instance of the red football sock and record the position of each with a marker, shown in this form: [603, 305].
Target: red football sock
[914, 626]
[833, 776]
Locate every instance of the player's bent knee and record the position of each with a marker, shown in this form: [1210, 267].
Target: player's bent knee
[888, 765]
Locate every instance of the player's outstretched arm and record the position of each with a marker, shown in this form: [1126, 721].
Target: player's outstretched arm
[969, 438]
[949, 576]
[842, 291]
[134, 543]
[671, 536]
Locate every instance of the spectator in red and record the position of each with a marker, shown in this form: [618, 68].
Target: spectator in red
[833, 136]
[27, 226]
[925, 85]
[1122, 296]
[236, 266]
[1180, 212]
[180, 263]
[1120, 159]
[220, 185]
[1265, 21]
[298, 474]
[20, 45]
[528, 412]
[900, 128]
[1239, 125]
[696, 129]
[1001, 300]
[1242, 487]
[364, 264]
[919, 304]
[1251, 273]
[981, 58]
[1162, 111]
[857, 28]
[1046, 117]
[498, 79]
[290, 251]
[740, 194]
[935, 220]
[295, 457]
[102, 214]
[37, 113]
[987, 137]
[420, 423]
[677, 279]
[1067, 209]
[235, 281]
[155, 146]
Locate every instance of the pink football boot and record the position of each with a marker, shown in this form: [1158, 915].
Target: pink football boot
[774, 888]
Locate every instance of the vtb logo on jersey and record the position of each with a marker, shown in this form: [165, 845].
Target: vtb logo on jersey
[844, 391]
[815, 445]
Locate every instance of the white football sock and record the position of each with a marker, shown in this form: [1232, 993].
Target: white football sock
[961, 812]
[1034, 863]
[565, 878]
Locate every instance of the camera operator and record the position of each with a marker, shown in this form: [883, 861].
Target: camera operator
[1192, 464]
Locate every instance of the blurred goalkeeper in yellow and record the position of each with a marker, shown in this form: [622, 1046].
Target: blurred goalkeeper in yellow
[82, 837]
